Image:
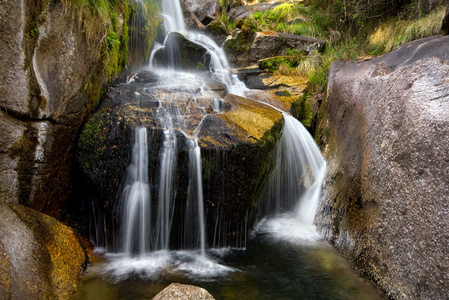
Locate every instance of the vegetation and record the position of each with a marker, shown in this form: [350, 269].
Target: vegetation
[352, 29]
[107, 21]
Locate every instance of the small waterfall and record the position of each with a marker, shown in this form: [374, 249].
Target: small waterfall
[172, 12]
[293, 186]
[136, 198]
[166, 195]
[293, 190]
[194, 226]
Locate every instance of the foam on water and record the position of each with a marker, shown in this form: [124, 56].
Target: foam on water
[287, 228]
[157, 264]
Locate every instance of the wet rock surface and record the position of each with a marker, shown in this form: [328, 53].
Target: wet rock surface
[236, 136]
[385, 135]
[40, 257]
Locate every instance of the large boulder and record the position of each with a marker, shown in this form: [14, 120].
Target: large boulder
[269, 43]
[386, 139]
[179, 52]
[40, 258]
[236, 136]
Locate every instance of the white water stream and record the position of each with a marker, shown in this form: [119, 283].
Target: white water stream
[293, 189]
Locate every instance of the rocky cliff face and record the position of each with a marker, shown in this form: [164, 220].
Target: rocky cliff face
[55, 59]
[385, 132]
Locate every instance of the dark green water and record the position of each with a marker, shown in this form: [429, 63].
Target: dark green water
[269, 268]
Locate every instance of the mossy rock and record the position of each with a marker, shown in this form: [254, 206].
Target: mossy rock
[236, 148]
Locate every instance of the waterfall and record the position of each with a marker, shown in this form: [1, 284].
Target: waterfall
[136, 197]
[293, 187]
[194, 226]
[166, 195]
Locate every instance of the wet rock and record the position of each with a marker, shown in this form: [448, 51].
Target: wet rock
[190, 19]
[41, 258]
[269, 43]
[178, 291]
[182, 53]
[237, 47]
[386, 137]
[47, 87]
[236, 144]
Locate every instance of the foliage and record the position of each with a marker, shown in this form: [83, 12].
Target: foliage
[396, 32]
[352, 29]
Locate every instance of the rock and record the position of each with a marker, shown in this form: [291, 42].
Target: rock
[269, 43]
[386, 138]
[218, 31]
[14, 73]
[51, 77]
[204, 10]
[182, 53]
[235, 144]
[240, 12]
[41, 258]
[178, 291]
[236, 47]
[190, 19]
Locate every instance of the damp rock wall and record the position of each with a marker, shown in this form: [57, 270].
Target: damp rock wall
[56, 60]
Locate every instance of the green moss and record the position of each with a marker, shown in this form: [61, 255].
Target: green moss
[92, 141]
[301, 110]
[32, 28]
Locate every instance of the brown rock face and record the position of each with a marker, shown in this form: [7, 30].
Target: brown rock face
[40, 258]
[178, 291]
[386, 139]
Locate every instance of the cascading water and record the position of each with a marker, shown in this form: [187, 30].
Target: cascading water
[165, 217]
[293, 185]
[136, 197]
[194, 228]
[168, 159]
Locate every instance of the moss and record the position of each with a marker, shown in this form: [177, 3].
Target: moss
[32, 28]
[302, 111]
[43, 102]
[92, 141]
[23, 145]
